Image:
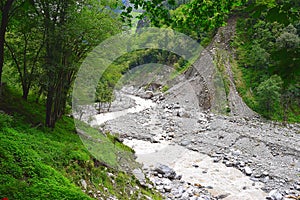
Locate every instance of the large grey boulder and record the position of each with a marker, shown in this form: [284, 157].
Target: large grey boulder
[166, 171]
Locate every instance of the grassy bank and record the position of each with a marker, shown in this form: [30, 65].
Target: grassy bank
[40, 163]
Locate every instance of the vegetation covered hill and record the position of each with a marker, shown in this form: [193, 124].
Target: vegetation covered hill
[42, 163]
[267, 45]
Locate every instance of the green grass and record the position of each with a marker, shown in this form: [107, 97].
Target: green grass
[40, 163]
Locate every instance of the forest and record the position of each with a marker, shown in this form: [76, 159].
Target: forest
[43, 43]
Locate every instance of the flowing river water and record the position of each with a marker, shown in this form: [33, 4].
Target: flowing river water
[221, 179]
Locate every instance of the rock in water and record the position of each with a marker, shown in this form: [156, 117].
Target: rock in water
[166, 171]
[275, 195]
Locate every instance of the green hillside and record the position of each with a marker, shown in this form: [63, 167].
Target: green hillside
[42, 163]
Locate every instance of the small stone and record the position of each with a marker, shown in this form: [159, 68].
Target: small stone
[266, 179]
[265, 173]
[257, 175]
[149, 186]
[228, 164]
[168, 188]
[248, 171]
[185, 195]
[242, 164]
[185, 143]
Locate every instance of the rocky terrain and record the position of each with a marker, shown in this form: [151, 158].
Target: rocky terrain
[266, 152]
[191, 118]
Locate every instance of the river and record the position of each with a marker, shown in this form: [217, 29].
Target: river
[221, 179]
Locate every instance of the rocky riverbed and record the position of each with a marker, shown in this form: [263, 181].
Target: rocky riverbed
[217, 157]
[190, 148]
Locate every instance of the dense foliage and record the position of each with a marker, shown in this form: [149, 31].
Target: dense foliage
[268, 49]
[46, 41]
[197, 18]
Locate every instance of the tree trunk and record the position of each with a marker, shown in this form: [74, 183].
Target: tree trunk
[25, 93]
[4, 23]
[49, 104]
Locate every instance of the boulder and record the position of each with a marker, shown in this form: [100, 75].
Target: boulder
[166, 171]
[275, 195]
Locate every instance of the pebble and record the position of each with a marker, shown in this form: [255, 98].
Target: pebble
[248, 171]
[185, 143]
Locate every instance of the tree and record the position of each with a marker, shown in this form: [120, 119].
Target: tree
[6, 7]
[25, 41]
[104, 95]
[286, 53]
[258, 56]
[72, 29]
[269, 93]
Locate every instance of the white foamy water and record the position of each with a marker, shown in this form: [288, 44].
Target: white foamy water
[141, 104]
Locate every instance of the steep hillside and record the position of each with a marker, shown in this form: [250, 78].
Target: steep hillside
[40, 163]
